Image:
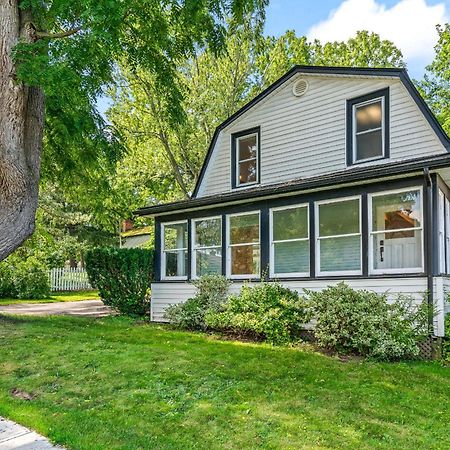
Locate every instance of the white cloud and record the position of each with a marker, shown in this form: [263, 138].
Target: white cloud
[410, 24]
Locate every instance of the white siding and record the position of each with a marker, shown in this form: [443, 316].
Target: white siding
[166, 294]
[304, 137]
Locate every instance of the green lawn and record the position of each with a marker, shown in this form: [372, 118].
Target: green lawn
[115, 384]
[74, 296]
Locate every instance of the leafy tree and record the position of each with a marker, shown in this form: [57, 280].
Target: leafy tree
[436, 84]
[164, 159]
[58, 56]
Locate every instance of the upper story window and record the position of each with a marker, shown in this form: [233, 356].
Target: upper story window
[175, 250]
[245, 158]
[368, 127]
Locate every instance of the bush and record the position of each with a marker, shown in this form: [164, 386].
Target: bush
[211, 293]
[6, 281]
[363, 322]
[30, 279]
[122, 277]
[24, 278]
[269, 310]
[446, 343]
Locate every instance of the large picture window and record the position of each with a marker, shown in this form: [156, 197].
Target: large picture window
[207, 246]
[289, 241]
[396, 232]
[243, 245]
[338, 237]
[174, 255]
[245, 148]
[368, 122]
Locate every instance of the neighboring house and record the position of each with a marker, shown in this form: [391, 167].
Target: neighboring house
[330, 174]
[136, 237]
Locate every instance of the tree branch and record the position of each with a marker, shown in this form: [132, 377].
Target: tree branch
[62, 34]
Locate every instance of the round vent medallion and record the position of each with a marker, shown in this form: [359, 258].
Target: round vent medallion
[300, 87]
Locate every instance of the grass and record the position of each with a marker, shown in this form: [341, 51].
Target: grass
[116, 384]
[74, 296]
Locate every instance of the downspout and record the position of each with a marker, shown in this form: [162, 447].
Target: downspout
[429, 255]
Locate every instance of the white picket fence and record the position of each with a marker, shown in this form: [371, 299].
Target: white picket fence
[68, 279]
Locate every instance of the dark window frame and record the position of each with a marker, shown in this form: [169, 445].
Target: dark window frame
[351, 103]
[235, 161]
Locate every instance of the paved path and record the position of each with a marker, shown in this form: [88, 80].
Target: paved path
[15, 436]
[84, 308]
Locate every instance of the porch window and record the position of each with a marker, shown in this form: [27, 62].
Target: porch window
[289, 241]
[207, 247]
[338, 237]
[174, 254]
[243, 245]
[368, 120]
[396, 231]
[245, 147]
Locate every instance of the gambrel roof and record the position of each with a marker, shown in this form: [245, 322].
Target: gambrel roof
[325, 70]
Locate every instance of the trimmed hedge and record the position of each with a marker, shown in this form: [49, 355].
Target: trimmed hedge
[122, 277]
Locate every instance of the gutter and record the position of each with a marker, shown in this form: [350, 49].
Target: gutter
[429, 256]
[296, 186]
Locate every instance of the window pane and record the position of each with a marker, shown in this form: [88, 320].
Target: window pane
[343, 253]
[339, 218]
[175, 236]
[400, 252]
[245, 260]
[176, 263]
[291, 257]
[247, 147]
[368, 116]
[369, 145]
[244, 229]
[396, 211]
[208, 232]
[208, 261]
[247, 171]
[290, 224]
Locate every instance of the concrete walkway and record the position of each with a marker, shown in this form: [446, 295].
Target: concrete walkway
[84, 308]
[15, 436]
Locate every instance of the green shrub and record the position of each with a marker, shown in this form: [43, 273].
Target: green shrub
[269, 310]
[30, 279]
[122, 277]
[446, 343]
[212, 291]
[6, 281]
[363, 322]
[24, 278]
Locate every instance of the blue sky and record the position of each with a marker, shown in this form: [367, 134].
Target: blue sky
[410, 24]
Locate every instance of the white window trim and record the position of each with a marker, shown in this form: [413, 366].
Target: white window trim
[194, 247]
[441, 231]
[163, 252]
[238, 161]
[272, 273]
[373, 271]
[320, 273]
[354, 133]
[228, 246]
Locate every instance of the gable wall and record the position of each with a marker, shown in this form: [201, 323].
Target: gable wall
[304, 137]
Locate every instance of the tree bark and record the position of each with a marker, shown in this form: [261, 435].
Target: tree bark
[21, 130]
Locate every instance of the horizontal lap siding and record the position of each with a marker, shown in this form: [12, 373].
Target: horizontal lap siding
[305, 137]
[166, 294]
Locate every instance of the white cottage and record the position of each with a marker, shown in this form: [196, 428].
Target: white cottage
[330, 174]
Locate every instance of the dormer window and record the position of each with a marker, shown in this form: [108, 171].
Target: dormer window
[368, 127]
[245, 158]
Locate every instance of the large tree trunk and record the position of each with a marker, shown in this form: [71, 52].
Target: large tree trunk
[21, 129]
